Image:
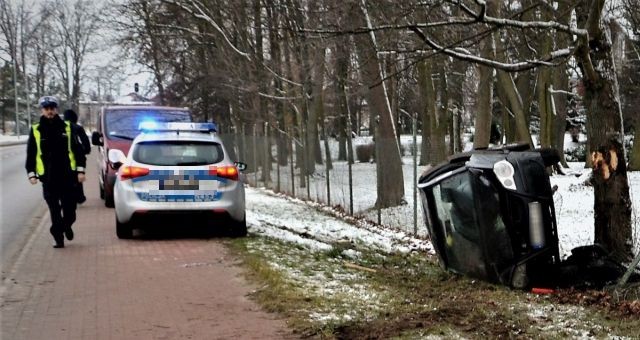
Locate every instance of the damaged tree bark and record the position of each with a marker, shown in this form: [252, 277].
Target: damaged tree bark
[612, 204]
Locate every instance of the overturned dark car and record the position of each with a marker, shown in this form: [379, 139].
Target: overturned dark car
[490, 215]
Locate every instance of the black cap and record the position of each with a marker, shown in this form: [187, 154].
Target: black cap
[71, 116]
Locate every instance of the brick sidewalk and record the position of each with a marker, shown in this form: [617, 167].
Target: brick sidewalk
[100, 287]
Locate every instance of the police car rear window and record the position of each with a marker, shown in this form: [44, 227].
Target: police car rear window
[178, 153]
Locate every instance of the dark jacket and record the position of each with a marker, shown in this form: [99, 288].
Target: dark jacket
[82, 138]
[55, 151]
[72, 116]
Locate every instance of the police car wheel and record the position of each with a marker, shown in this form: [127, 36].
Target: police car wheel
[123, 230]
[239, 228]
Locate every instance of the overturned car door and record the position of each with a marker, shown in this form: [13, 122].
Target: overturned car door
[490, 215]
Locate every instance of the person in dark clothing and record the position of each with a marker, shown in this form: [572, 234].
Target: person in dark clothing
[82, 139]
[56, 159]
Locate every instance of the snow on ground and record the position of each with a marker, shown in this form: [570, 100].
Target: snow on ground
[8, 140]
[574, 207]
[573, 203]
[296, 221]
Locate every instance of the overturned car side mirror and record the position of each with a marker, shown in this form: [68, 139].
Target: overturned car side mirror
[241, 166]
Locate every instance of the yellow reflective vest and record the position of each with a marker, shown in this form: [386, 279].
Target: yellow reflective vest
[37, 136]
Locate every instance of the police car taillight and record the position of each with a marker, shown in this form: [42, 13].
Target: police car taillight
[129, 172]
[229, 172]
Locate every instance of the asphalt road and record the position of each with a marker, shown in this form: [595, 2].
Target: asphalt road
[21, 203]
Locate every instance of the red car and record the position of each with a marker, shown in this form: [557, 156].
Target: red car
[117, 126]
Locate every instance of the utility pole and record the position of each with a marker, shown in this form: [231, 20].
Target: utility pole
[15, 88]
[28, 101]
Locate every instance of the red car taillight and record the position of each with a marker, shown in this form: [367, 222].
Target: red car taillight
[128, 172]
[229, 172]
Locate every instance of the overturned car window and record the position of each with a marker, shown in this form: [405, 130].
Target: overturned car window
[457, 217]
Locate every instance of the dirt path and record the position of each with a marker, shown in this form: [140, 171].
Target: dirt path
[99, 287]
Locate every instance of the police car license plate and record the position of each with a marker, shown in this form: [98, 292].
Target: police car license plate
[179, 184]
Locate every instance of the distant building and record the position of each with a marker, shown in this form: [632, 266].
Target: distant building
[89, 110]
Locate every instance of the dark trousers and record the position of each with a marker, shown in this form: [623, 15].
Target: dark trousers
[80, 197]
[61, 200]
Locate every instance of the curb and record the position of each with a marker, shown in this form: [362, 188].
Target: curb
[11, 143]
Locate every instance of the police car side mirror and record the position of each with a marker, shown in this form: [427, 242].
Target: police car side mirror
[241, 166]
[96, 138]
[116, 157]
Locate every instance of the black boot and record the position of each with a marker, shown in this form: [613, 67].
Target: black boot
[59, 241]
[69, 234]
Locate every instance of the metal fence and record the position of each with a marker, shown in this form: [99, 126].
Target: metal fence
[275, 161]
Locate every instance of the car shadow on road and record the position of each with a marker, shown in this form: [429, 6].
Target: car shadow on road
[171, 229]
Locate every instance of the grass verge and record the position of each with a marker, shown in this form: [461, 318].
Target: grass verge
[336, 294]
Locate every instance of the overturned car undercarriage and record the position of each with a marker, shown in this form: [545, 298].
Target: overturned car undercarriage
[490, 215]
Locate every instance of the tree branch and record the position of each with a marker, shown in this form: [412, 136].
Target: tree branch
[514, 67]
[482, 17]
[593, 22]
[201, 15]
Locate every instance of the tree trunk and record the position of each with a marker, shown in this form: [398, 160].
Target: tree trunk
[342, 73]
[561, 82]
[508, 87]
[547, 119]
[547, 131]
[439, 119]
[484, 98]
[457, 86]
[612, 204]
[634, 158]
[388, 161]
[316, 111]
[427, 93]
[275, 40]
[260, 106]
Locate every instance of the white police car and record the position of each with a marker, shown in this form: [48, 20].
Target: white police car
[177, 170]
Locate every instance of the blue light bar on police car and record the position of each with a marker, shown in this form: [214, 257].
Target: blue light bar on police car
[152, 126]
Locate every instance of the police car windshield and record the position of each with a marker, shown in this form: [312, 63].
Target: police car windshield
[178, 153]
[123, 124]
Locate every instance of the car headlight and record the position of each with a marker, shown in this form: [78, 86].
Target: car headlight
[504, 171]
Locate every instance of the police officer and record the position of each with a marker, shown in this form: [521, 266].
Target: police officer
[55, 158]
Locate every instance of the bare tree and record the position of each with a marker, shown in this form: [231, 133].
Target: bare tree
[389, 170]
[74, 29]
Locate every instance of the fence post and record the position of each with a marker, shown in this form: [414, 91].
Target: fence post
[306, 159]
[278, 144]
[255, 156]
[350, 157]
[327, 162]
[266, 170]
[377, 156]
[415, 174]
[291, 162]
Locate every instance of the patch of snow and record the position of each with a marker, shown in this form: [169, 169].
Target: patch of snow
[288, 219]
